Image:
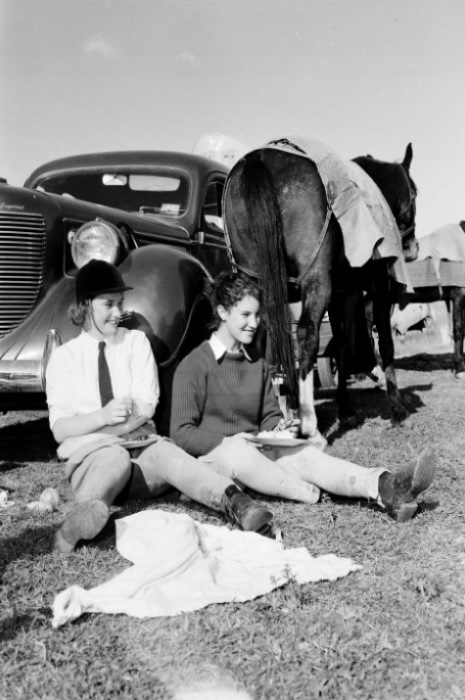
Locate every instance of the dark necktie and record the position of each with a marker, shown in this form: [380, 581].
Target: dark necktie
[104, 379]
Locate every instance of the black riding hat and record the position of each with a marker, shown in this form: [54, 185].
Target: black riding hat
[98, 277]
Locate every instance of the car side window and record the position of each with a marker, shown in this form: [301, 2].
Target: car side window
[212, 219]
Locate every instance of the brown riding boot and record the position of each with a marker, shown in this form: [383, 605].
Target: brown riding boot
[398, 490]
[246, 513]
[84, 522]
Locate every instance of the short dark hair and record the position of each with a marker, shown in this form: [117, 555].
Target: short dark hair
[229, 288]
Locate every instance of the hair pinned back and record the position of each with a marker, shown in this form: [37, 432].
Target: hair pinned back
[229, 288]
[78, 313]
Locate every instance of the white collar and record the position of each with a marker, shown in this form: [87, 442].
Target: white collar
[220, 349]
[94, 342]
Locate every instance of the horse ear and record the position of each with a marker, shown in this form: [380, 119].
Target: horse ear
[408, 157]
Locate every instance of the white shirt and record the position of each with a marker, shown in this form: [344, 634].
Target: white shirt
[72, 373]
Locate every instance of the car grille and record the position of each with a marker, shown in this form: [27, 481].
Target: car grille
[22, 248]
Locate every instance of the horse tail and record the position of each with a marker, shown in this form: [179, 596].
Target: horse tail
[264, 224]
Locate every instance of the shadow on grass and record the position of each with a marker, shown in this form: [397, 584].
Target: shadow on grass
[6, 467]
[27, 442]
[368, 404]
[363, 504]
[32, 541]
[424, 362]
[428, 506]
[172, 501]
[14, 625]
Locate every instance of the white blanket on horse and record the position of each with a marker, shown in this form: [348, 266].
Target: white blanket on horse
[445, 243]
[367, 223]
[425, 273]
[182, 565]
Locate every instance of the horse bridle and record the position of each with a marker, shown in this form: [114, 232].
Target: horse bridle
[406, 210]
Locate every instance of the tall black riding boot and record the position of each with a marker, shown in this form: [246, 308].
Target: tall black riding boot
[246, 513]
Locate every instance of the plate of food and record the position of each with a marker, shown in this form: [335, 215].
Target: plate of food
[136, 442]
[278, 438]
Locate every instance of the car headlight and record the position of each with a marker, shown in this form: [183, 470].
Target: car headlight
[96, 239]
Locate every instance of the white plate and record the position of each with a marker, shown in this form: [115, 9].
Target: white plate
[131, 444]
[277, 442]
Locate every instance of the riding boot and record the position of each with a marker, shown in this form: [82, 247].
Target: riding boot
[246, 513]
[398, 491]
[84, 522]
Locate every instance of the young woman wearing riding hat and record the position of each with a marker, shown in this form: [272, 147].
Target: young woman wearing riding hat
[100, 386]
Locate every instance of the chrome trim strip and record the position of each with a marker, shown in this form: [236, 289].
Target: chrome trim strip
[21, 375]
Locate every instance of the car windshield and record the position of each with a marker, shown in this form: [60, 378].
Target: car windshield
[158, 194]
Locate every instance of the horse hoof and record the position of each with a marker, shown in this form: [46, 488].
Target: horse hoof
[399, 414]
[348, 421]
[460, 375]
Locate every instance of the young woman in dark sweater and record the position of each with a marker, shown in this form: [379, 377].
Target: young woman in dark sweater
[222, 396]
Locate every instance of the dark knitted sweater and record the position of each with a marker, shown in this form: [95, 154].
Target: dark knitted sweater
[213, 399]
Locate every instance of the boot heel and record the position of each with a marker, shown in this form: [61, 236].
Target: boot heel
[424, 472]
[406, 512]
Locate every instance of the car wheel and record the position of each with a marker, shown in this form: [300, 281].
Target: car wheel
[327, 372]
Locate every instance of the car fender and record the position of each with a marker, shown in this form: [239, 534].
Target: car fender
[168, 303]
[169, 286]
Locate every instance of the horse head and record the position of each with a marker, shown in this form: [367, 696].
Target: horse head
[400, 192]
[405, 211]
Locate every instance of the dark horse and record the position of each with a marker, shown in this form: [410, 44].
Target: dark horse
[281, 229]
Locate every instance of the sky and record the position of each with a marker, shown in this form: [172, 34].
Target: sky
[363, 76]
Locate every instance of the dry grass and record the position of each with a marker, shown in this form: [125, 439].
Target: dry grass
[394, 630]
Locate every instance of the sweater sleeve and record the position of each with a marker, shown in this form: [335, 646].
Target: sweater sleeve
[271, 413]
[187, 406]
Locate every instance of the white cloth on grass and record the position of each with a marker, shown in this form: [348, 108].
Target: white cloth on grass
[181, 565]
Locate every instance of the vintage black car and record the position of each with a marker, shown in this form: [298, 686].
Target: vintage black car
[178, 188]
[163, 230]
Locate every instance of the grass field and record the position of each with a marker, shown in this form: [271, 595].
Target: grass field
[394, 630]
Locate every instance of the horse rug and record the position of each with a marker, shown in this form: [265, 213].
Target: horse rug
[181, 565]
[446, 243]
[368, 226]
[448, 273]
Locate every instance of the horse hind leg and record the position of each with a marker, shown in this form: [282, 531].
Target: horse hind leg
[306, 337]
[339, 311]
[458, 326]
[381, 314]
[308, 419]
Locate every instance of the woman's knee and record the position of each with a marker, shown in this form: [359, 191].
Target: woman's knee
[119, 458]
[161, 451]
[103, 476]
[113, 465]
[236, 450]
[235, 459]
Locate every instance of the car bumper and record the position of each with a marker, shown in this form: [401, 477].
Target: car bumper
[28, 375]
